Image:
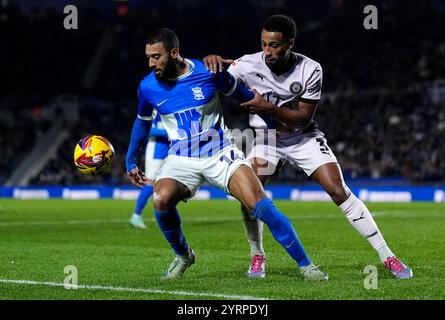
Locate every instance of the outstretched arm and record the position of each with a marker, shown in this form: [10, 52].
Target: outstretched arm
[215, 63]
[229, 86]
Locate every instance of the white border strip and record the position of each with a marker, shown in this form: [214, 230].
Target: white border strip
[151, 291]
[186, 220]
[107, 221]
[339, 215]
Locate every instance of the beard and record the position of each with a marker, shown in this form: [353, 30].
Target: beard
[169, 71]
[280, 64]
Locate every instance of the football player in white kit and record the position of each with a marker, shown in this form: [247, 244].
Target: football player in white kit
[291, 83]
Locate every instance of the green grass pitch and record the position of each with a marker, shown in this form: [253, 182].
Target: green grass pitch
[38, 239]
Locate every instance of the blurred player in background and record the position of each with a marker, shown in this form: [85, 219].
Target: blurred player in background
[186, 96]
[291, 83]
[155, 154]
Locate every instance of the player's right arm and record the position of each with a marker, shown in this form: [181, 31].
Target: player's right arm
[301, 111]
[139, 134]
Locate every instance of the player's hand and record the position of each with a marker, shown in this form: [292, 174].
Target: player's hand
[137, 177]
[258, 104]
[215, 63]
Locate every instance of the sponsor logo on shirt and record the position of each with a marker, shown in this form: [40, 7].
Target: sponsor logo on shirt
[315, 88]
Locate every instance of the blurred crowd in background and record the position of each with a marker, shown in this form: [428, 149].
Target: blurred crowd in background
[382, 110]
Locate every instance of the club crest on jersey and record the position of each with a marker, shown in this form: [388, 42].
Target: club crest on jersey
[296, 87]
[197, 93]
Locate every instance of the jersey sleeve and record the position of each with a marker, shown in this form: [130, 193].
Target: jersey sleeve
[312, 88]
[236, 69]
[145, 108]
[228, 85]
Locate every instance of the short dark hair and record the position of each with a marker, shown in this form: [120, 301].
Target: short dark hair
[168, 38]
[280, 23]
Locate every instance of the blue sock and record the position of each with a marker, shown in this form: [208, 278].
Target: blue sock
[170, 224]
[145, 193]
[282, 230]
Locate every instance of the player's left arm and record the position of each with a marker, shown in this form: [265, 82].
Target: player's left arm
[228, 85]
[298, 116]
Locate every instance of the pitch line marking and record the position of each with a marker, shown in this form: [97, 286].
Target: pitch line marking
[56, 222]
[142, 290]
[105, 221]
[339, 215]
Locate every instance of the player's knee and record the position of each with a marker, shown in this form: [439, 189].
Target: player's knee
[338, 192]
[247, 215]
[162, 200]
[251, 202]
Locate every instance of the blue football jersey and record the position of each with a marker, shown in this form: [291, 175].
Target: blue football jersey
[159, 127]
[157, 123]
[161, 143]
[190, 110]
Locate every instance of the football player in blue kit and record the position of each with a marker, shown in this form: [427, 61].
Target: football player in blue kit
[155, 154]
[186, 96]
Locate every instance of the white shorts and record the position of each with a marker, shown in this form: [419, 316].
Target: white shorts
[306, 151]
[155, 155]
[193, 172]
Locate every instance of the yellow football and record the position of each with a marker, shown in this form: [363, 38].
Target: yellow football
[94, 155]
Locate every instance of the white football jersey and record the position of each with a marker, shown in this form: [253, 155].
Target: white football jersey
[302, 82]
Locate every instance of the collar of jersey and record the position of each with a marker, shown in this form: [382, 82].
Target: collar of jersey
[189, 71]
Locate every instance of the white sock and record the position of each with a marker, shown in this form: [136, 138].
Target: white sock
[136, 215]
[361, 219]
[254, 231]
[385, 253]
